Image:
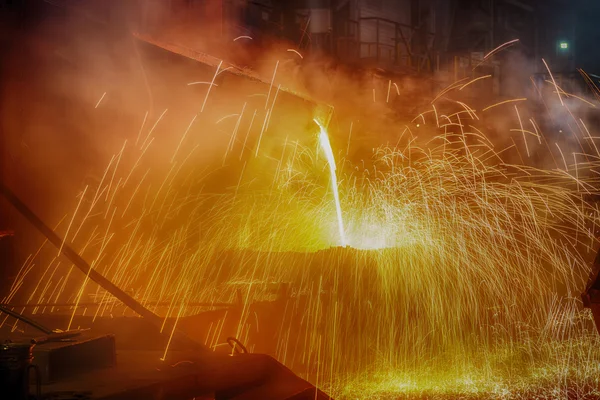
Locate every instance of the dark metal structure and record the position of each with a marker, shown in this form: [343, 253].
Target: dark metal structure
[80, 263]
[141, 375]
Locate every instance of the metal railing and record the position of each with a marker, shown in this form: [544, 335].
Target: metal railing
[388, 43]
[346, 41]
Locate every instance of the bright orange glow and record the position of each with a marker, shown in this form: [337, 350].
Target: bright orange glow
[449, 268]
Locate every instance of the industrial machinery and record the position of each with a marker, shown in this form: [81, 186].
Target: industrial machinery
[125, 360]
[82, 365]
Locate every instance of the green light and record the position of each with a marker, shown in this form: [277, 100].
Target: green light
[564, 45]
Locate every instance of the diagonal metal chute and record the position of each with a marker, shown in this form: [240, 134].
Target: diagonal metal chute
[20, 317]
[94, 275]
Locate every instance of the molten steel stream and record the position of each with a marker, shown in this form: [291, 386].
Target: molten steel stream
[326, 145]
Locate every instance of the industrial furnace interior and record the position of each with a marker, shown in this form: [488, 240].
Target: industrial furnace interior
[266, 200]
